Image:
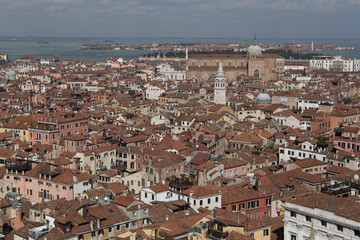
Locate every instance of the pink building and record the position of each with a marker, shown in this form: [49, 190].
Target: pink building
[44, 182]
[71, 124]
[47, 130]
[75, 143]
[43, 133]
[234, 167]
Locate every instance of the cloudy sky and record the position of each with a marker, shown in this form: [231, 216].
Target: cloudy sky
[181, 18]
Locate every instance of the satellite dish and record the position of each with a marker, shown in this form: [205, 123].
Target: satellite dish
[96, 198]
[19, 198]
[106, 198]
[356, 177]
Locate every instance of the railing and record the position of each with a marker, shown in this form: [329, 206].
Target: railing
[18, 167]
[217, 234]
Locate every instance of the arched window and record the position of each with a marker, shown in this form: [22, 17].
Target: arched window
[256, 74]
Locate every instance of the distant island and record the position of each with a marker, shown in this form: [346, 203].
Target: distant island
[209, 47]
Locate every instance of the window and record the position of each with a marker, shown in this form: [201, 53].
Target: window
[340, 228]
[241, 206]
[256, 74]
[145, 195]
[234, 208]
[217, 199]
[110, 229]
[323, 223]
[209, 200]
[292, 214]
[308, 218]
[201, 202]
[266, 232]
[293, 237]
[118, 228]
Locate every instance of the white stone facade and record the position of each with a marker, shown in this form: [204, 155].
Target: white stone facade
[336, 63]
[220, 87]
[301, 222]
[209, 202]
[307, 150]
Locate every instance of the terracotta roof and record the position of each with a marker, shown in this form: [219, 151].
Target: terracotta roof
[339, 206]
[159, 188]
[238, 219]
[236, 193]
[202, 191]
[309, 162]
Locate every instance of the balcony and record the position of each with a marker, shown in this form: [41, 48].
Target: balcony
[18, 166]
[217, 234]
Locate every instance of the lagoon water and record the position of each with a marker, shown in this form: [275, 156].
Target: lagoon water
[69, 48]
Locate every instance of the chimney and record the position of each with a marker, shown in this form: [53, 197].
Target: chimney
[91, 225]
[98, 223]
[75, 178]
[191, 193]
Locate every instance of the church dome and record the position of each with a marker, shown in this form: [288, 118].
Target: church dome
[263, 98]
[255, 49]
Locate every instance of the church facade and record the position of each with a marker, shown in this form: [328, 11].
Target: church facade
[201, 67]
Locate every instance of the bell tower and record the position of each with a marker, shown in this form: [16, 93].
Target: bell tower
[220, 86]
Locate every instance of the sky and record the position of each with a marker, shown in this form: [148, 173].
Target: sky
[322, 19]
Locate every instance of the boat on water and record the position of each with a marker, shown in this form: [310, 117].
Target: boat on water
[43, 42]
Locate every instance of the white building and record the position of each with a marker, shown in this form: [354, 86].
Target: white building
[321, 217]
[301, 151]
[307, 102]
[208, 196]
[220, 87]
[171, 72]
[336, 63]
[153, 92]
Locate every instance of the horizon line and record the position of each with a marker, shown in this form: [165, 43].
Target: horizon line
[178, 37]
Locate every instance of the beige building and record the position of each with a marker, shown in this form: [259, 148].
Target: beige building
[200, 67]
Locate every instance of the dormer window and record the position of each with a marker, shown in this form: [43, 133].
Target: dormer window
[134, 213]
